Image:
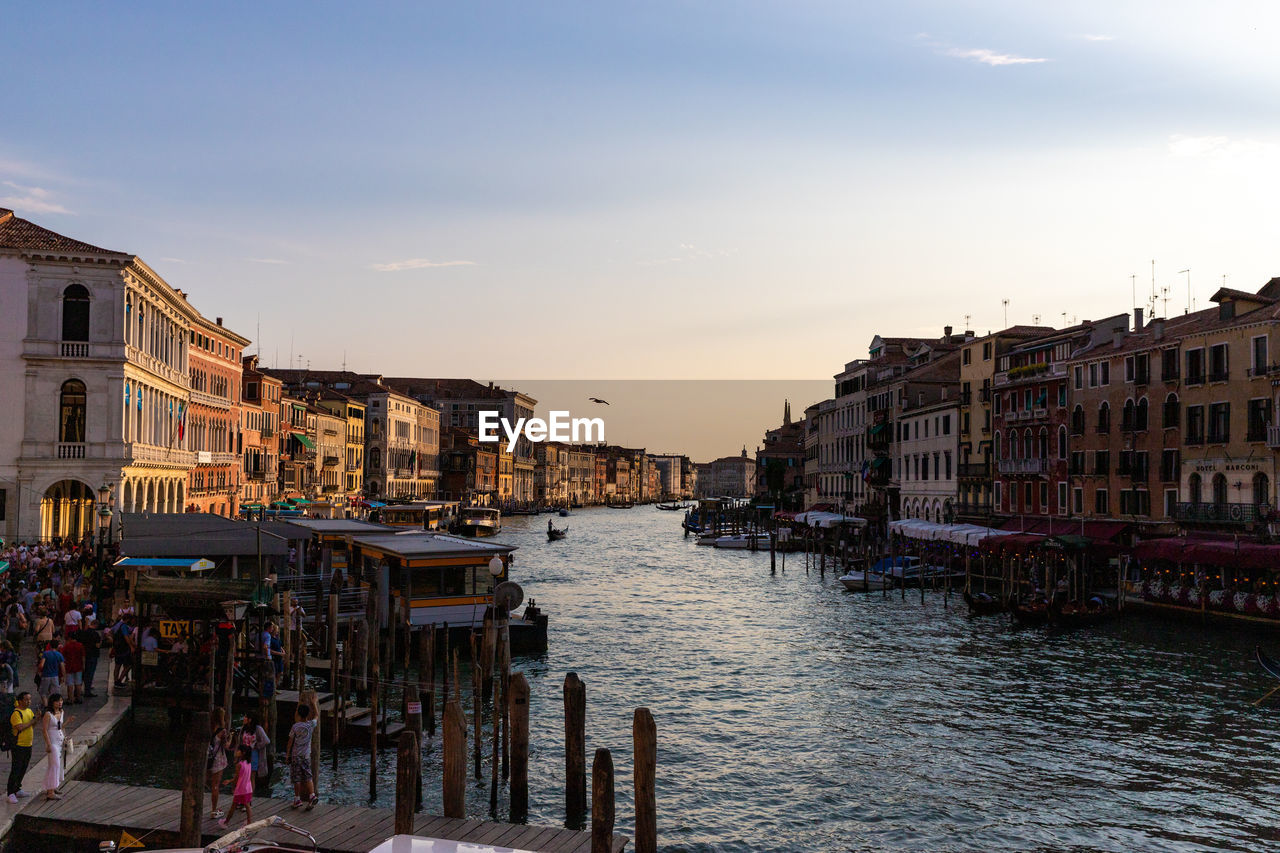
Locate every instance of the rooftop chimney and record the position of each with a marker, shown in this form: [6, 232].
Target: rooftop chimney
[1137, 319]
[946, 334]
[1157, 329]
[219, 321]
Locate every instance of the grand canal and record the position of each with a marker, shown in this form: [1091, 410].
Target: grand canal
[795, 716]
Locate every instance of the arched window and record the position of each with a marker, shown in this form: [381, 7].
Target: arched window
[1140, 415]
[75, 313]
[71, 409]
[1062, 442]
[995, 446]
[375, 459]
[1261, 489]
[1014, 447]
[1077, 420]
[1220, 491]
[1104, 417]
[1193, 489]
[1044, 442]
[1170, 418]
[1028, 451]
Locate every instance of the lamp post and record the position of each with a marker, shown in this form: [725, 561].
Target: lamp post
[105, 500]
[495, 569]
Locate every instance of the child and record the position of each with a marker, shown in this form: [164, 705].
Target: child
[242, 790]
[299, 752]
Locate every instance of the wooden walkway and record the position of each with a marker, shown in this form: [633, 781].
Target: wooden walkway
[100, 811]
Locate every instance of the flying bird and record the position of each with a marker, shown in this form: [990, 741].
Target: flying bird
[598, 400]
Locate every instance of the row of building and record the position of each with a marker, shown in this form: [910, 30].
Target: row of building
[1166, 424]
[128, 396]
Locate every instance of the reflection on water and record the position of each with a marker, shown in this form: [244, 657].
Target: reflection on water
[795, 716]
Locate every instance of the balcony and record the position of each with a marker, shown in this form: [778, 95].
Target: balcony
[74, 350]
[256, 476]
[1024, 466]
[1227, 513]
[206, 399]
[332, 461]
[974, 470]
[70, 450]
[139, 452]
[1273, 436]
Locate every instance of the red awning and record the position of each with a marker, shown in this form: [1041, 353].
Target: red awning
[1012, 544]
[1244, 555]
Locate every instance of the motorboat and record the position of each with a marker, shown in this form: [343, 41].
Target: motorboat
[709, 538]
[860, 581]
[564, 513]
[743, 541]
[480, 521]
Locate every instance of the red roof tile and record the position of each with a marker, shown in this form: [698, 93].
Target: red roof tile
[21, 234]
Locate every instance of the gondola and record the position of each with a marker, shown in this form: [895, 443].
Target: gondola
[981, 604]
[1078, 618]
[554, 535]
[1031, 617]
[1271, 667]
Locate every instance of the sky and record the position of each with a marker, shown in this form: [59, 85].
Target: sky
[709, 190]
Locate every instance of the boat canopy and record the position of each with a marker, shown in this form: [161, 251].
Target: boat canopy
[961, 534]
[1246, 555]
[815, 518]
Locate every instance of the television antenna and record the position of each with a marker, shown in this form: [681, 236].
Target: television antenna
[1188, 272]
[1005, 303]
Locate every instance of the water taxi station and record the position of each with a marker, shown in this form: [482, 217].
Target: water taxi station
[375, 599]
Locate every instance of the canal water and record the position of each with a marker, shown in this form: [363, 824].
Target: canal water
[793, 715]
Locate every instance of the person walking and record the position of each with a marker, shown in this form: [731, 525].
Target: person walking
[242, 791]
[254, 737]
[216, 762]
[90, 637]
[21, 721]
[73, 652]
[299, 753]
[122, 642]
[42, 629]
[53, 672]
[52, 726]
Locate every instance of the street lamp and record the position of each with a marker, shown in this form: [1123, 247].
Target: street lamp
[495, 569]
[104, 535]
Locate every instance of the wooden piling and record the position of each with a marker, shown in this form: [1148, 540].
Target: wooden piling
[194, 753]
[575, 749]
[408, 774]
[518, 710]
[373, 733]
[287, 639]
[430, 663]
[602, 802]
[644, 741]
[333, 643]
[455, 761]
[477, 691]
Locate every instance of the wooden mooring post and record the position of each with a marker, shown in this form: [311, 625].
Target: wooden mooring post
[455, 761]
[575, 750]
[602, 804]
[518, 711]
[644, 743]
[333, 648]
[408, 777]
[194, 753]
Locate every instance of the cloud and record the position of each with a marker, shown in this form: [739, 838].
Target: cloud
[1197, 146]
[31, 200]
[265, 261]
[418, 264]
[1096, 37]
[691, 253]
[990, 57]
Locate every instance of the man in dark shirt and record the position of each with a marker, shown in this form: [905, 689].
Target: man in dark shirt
[90, 637]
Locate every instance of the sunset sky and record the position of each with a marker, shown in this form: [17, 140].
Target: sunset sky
[662, 190]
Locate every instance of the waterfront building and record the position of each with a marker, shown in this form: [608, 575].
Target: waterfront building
[1227, 393]
[394, 440]
[1030, 414]
[978, 360]
[925, 457]
[297, 447]
[551, 474]
[331, 452]
[851, 402]
[213, 417]
[582, 465]
[468, 469]
[780, 462]
[728, 477]
[95, 349]
[260, 419]
[831, 479]
[352, 413]
[460, 402]
[670, 468]
[811, 464]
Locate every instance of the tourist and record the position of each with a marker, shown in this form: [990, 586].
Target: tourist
[42, 629]
[53, 672]
[242, 790]
[122, 648]
[8, 676]
[254, 737]
[52, 726]
[275, 648]
[15, 627]
[299, 753]
[90, 637]
[217, 759]
[21, 723]
[73, 652]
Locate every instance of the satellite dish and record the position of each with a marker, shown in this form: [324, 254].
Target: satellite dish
[508, 595]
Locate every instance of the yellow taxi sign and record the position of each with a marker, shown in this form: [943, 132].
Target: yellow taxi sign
[172, 629]
[202, 565]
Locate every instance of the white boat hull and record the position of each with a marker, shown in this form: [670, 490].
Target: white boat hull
[858, 581]
[742, 543]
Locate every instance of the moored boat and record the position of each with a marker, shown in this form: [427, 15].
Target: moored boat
[743, 541]
[1030, 613]
[1073, 614]
[480, 521]
[861, 581]
[982, 604]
